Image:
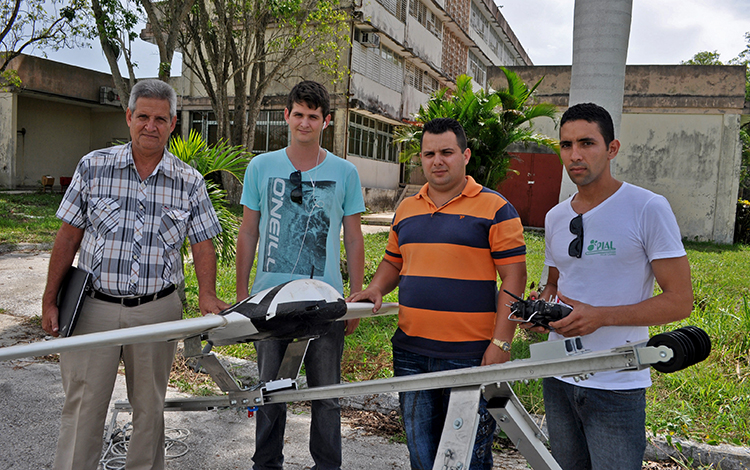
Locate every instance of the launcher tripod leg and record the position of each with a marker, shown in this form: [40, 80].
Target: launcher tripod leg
[520, 428]
[459, 430]
[462, 419]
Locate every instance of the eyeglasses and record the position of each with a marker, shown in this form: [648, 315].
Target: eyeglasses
[575, 249]
[296, 179]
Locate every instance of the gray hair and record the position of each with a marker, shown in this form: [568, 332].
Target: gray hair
[156, 89]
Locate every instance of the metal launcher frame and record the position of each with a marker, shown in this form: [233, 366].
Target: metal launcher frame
[558, 358]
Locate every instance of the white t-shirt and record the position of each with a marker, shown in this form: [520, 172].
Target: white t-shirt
[622, 235]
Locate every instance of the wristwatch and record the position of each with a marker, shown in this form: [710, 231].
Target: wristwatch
[504, 345]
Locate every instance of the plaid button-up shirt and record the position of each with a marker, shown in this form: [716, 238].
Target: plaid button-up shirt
[133, 229]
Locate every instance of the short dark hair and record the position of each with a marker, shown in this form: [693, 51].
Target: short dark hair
[312, 94]
[592, 113]
[441, 125]
[156, 89]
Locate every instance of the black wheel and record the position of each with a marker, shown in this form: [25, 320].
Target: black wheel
[689, 344]
[677, 346]
[701, 340]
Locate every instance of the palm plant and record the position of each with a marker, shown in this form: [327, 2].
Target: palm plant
[493, 121]
[211, 161]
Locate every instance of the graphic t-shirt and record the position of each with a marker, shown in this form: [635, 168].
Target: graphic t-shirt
[300, 240]
[622, 236]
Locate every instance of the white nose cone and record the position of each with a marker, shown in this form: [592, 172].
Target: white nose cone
[301, 290]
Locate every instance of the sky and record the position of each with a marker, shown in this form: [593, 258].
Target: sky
[662, 32]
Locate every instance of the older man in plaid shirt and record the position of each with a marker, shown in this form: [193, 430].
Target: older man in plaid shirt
[129, 209]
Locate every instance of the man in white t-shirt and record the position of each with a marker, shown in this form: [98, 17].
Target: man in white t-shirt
[605, 246]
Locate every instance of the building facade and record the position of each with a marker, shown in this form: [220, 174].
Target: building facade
[680, 138]
[401, 51]
[59, 114]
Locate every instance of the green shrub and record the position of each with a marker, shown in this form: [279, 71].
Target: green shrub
[742, 222]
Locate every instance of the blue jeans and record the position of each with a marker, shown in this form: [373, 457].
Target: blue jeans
[322, 367]
[595, 429]
[424, 412]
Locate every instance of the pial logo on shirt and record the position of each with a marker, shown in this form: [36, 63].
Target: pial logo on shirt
[597, 247]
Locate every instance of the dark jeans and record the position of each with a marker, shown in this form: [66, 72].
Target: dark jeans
[595, 429]
[424, 412]
[322, 367]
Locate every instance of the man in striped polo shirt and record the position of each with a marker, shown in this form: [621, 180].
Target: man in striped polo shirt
[447, 245]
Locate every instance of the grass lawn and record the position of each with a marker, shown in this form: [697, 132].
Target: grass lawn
[28, 218]
[709, 402]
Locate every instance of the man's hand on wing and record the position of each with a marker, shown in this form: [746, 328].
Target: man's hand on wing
[371, 294]
[211, 304]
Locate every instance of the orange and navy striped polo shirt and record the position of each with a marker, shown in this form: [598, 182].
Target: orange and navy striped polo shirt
[448, 281]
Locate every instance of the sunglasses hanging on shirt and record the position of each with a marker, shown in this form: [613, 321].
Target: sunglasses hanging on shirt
[575, 249]
[296, 179]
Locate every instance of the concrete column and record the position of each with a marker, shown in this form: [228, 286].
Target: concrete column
[8, 139]
[601, 29]
[727, 181]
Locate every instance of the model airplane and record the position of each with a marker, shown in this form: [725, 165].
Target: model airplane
[304, 309]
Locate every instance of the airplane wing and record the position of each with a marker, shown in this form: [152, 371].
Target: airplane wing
[167, 331]
[296, 309]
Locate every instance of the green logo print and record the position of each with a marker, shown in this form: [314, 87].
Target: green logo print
[596, 247]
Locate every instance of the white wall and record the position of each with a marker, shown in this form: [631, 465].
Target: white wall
[691, 159]
[413, 99]
[686, 159]
[375, 173]
[58, 135]
[8, 138]
[424, 44]
[382, 19]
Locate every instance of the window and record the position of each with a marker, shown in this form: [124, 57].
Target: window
[496, 44]
[413, 76]
[204, 122]
[501, 50]
[479, 22]
[370, 138]
[477, 69]
[430, 85]
[420, 79]
[426, 18]
[396, 7]
[271, 132]
[379, 64]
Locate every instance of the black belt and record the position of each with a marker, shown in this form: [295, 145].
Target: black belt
[133, 301]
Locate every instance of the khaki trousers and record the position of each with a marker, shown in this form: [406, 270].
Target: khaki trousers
[88, 380]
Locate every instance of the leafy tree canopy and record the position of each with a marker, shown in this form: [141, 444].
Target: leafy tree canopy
[238, 49]
[28, 25]
[704, 58]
